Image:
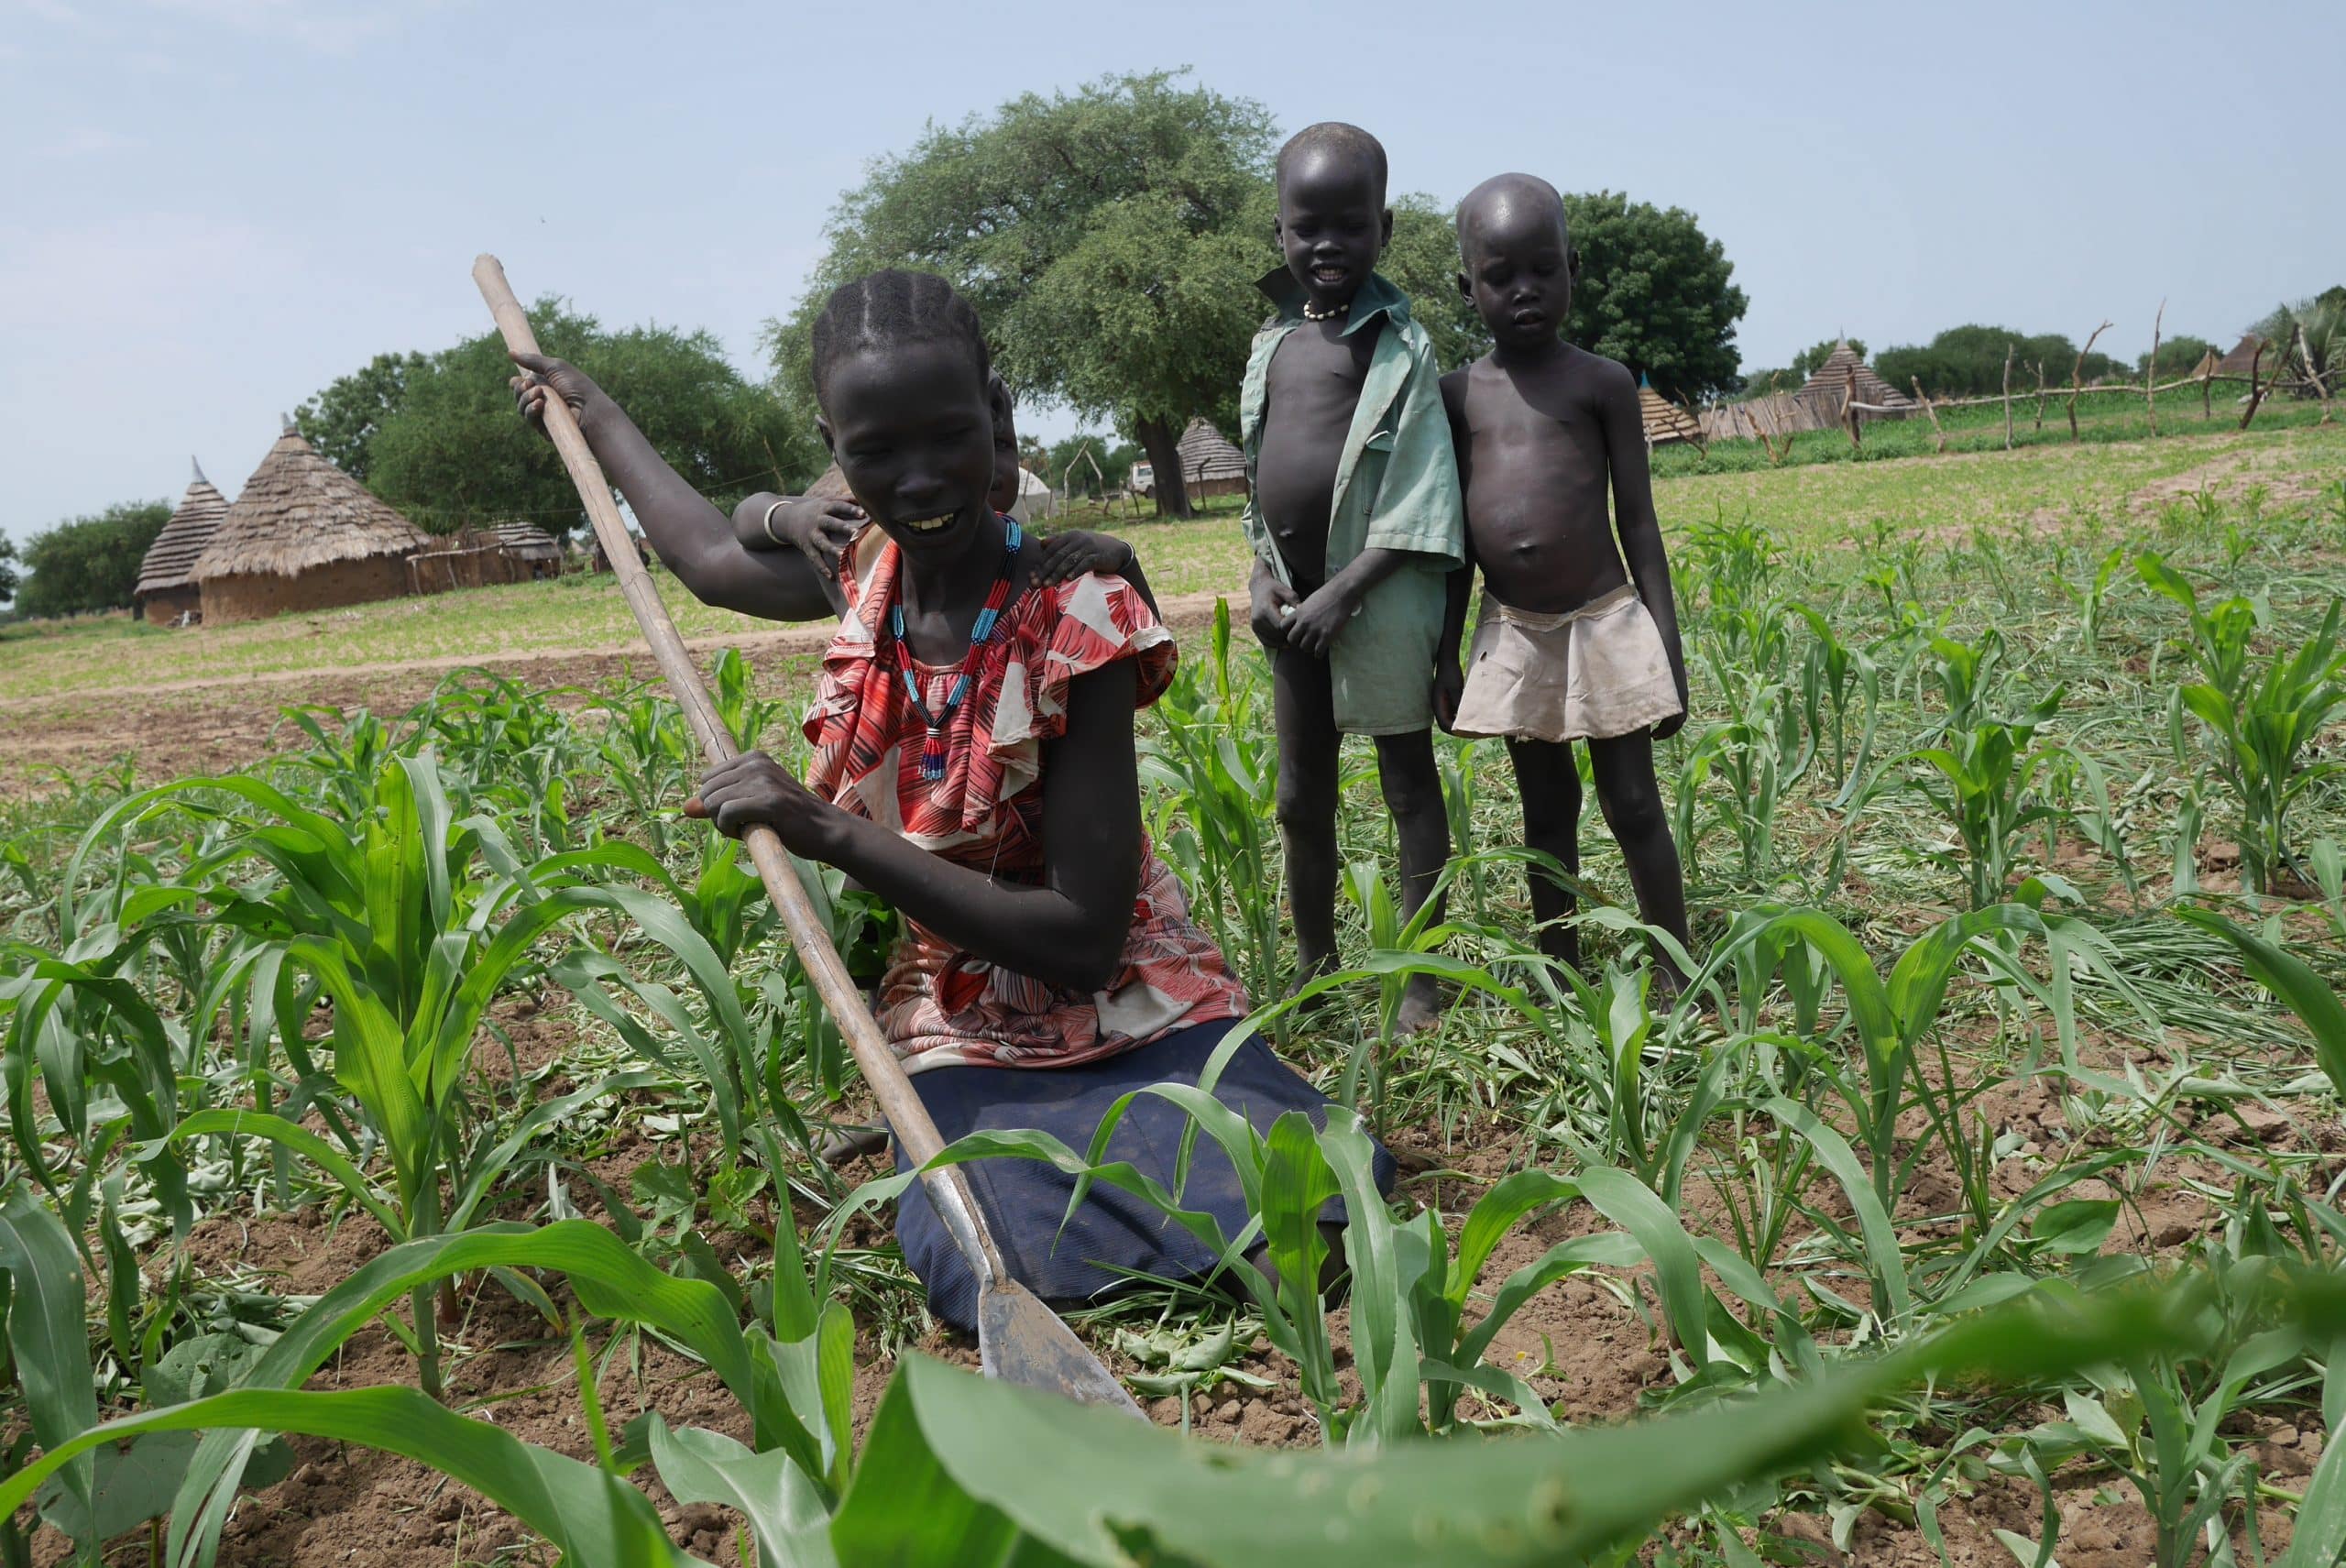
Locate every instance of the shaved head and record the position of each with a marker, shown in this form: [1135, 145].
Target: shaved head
[1335, 141]
[1510, 204]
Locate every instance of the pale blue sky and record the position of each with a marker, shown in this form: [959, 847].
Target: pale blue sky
[213, 207]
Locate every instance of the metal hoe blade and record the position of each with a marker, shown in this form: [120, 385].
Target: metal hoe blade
[1022, 1340]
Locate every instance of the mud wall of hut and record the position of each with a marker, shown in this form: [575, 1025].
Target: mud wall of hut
[165, 605]
[255, 597]
[1224, 484]
[441, 570]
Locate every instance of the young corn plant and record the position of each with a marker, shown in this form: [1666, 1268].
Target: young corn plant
[1992, 781]
[386, 912]
[1216, 773]
[2089, 595]
[2260, 716]
[1835, 678]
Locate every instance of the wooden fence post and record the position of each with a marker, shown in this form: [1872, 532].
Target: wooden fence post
[1849, 407]
[2256, 393]
[2077, 379]
[2151, 372]
[2008, 396]
[1923, 398]
[2040, 397]
[2207, 388]
[2305, 353]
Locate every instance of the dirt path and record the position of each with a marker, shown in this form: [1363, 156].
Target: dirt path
[1180, 611]
[212, 723]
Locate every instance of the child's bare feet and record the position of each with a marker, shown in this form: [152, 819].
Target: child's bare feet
[1420, 1006]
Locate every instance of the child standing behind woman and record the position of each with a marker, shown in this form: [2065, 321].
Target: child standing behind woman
[1355, 519]
[1569, 646]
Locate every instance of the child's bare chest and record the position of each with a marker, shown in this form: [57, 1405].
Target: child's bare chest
[1315, 381]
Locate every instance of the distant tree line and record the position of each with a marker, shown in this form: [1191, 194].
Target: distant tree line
[435, 436]
[83, 564]
[1968, 361]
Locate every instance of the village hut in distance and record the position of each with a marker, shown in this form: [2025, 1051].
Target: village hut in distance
[166, 593]
[1663, 419]
[1211, 466]
[303, 535]
[1827, 388]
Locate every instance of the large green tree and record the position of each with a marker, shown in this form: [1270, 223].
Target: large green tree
[342, 420]
[1656, 294]
[7, 568]
[436, 435]
[89, 563]
[1109, 239]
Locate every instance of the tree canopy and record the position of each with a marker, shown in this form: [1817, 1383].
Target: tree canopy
[344, 419]
[7, 568]
[1968, 361]
[2178, 355]
[2323, 317]
[435, 435]
[1654, 293]
[89, 563]
[1111, 239]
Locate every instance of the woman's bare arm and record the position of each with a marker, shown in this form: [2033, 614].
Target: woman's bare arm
[1070, 930]
[694, 539]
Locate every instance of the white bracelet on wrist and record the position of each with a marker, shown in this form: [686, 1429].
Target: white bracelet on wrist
[768, 524]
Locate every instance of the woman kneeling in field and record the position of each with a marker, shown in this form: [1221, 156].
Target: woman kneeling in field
[974, 767]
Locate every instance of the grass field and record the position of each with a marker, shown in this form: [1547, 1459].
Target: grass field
[1983, 1209]
[2047, 486]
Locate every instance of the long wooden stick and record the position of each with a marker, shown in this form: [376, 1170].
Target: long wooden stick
[890, 1087]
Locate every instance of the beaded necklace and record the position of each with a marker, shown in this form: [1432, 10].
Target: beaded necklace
[932, 748]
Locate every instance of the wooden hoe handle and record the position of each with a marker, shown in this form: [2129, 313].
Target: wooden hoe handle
[890, 1087]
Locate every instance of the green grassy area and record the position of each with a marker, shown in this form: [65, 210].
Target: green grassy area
[2103, 417]
[2050, 485]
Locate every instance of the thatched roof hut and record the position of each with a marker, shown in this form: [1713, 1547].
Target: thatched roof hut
[166, 591]
[303, 535]
[2243, 360]
[1665, 421]
[478, 557]
[1827, 388]
[1210, 465]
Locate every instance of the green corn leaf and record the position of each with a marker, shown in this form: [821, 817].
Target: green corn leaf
[1631, 1204]
[1892, 1296]
[1019, 1477]
[46, 1337]
[610, 1282]
[2289, 978]
[292, 1137]
[785, 1513]
[568, 1503]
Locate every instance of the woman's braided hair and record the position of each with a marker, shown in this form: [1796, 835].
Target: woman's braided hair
[891, 307]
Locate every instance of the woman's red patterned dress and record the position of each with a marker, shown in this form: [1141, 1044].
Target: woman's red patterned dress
[941, 1006]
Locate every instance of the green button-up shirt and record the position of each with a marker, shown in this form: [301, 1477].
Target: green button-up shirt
[1396, 488]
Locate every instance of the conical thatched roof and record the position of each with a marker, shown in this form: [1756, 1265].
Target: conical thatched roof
[1207, 454]
[2242, 359]
[300, 512]
[170, 560]
[831, 485]
[1664, 420]
[1831, 380]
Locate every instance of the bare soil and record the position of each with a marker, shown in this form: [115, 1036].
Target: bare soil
[212, 723]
